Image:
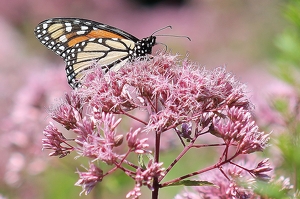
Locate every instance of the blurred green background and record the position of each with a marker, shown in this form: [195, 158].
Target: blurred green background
[235, 33]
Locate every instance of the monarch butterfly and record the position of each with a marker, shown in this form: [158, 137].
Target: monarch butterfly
[82, 43]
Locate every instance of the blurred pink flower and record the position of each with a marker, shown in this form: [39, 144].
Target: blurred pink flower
[22, 127]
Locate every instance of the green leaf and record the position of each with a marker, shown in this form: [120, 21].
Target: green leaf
[141, 161]
[192, 183]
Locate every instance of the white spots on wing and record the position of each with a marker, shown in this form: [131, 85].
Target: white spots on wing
[63, 38]
[45, 26]
[80, 32]
[84, 28]
[69, 28]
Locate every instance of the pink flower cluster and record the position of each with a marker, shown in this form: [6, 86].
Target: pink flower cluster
[145, 177]
[235, 126]
[175, 95]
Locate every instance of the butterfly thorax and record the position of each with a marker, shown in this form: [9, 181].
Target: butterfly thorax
[143, 47]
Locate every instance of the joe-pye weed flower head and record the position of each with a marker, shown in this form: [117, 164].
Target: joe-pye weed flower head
[177, 96]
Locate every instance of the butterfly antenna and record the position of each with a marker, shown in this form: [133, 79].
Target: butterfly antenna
[181, 36]
[161, 29]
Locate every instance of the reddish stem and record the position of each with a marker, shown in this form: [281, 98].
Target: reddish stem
[217, 165]
[155, 184]
[183, 152]
[118, 165]
[135, 118]
[207, 145]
